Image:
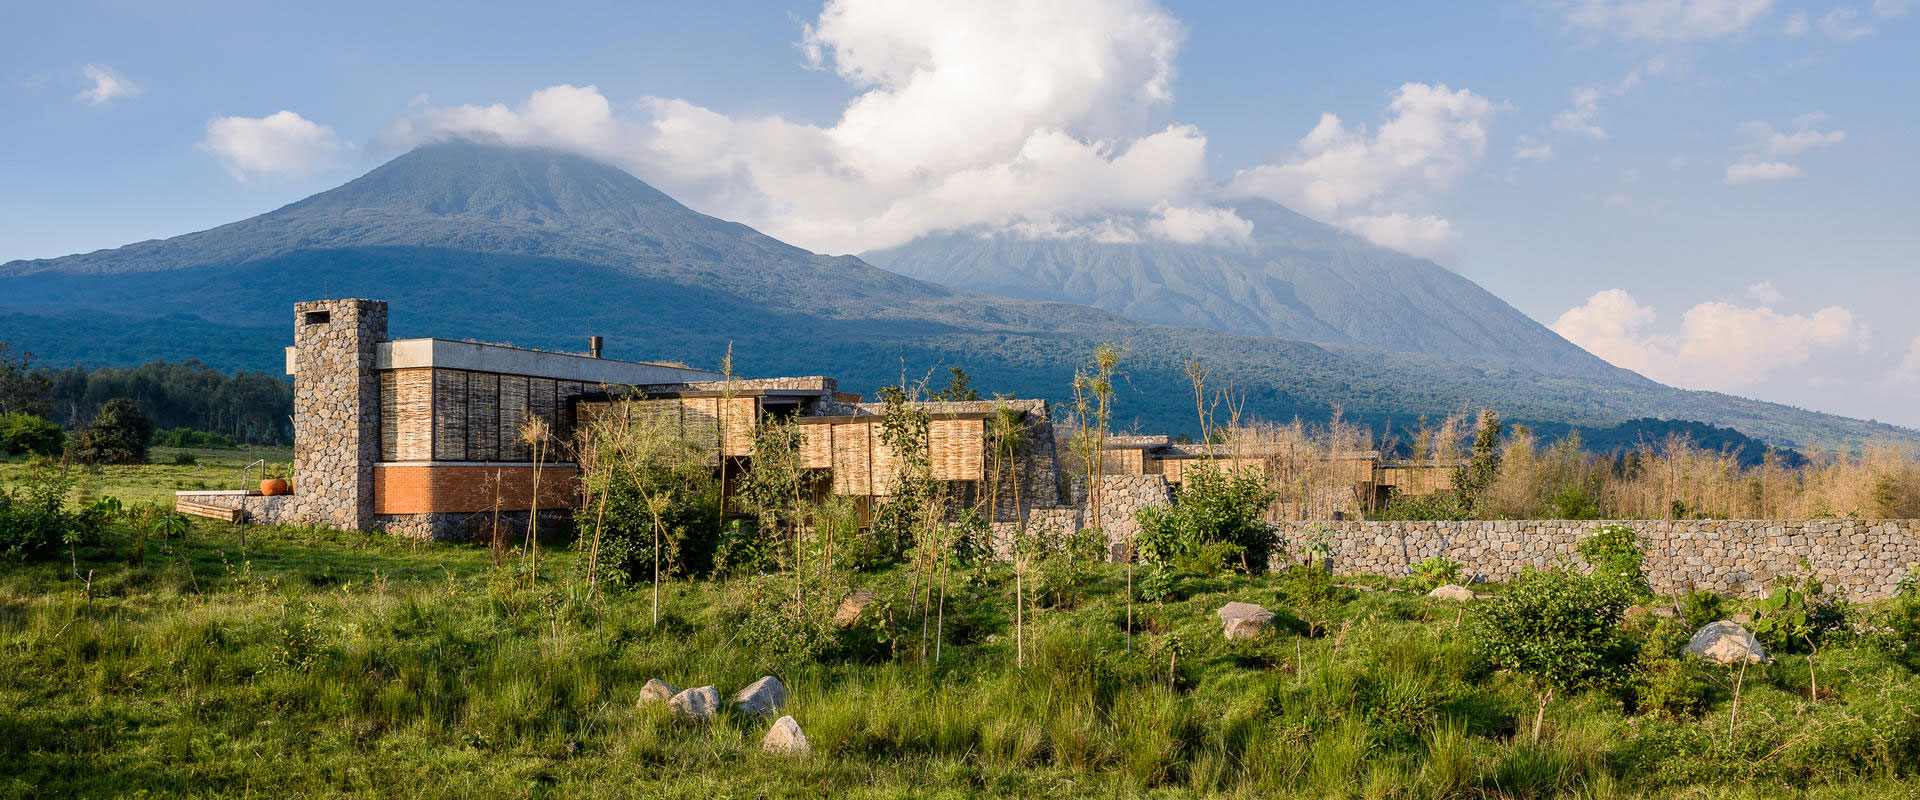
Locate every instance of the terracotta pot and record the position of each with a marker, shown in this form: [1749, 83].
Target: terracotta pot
[275, 486]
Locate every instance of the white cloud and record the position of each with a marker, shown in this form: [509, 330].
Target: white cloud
[1579, 118]
[1765, 143]
[1665, 21]
[1888, 9]
[106, 86]
[1428, 237]
[1197, 225]
[1367, 182]
[1844, 25]
[1755, 171]
[1532, 150]
[1433, 135]
[1908, 371]
[1797, 25]
[1764, 293]
[1718, 346]
[283, 143]
[1841, 24]
[999, 114]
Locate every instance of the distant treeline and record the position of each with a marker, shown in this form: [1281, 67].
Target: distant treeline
[245, 406]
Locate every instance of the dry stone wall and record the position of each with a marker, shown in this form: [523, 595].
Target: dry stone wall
[1121, 497]
[1866, 558]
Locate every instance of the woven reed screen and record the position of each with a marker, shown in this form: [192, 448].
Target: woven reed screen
[958, 448]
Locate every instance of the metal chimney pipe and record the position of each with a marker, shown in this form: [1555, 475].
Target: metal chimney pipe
[594, 344]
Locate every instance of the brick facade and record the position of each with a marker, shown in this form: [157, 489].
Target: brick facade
[464, 488]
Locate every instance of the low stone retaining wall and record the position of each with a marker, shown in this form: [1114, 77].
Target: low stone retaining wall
[1866, 558]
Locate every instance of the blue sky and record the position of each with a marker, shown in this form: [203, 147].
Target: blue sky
[1717, 193]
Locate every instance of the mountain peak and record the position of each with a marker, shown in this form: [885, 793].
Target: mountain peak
[518, 184]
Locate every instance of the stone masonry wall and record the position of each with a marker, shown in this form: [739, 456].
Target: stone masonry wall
[1866, 558]
[1121, 496]
[336, 411]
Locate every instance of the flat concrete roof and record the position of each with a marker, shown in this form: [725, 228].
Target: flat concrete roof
[477, 357]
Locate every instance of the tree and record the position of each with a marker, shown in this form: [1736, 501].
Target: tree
[120, 435]
[22, 389]
[1483, 468]
[959, 386]
[26, 433]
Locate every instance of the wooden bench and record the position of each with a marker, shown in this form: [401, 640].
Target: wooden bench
[190, 507]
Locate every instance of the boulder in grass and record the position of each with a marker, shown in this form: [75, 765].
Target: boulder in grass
[698, 703]
[1244, 620]
[1453, 591]
[1725, 642]
[851, 608]
[657, 691]
[786, 739]
[762, 697]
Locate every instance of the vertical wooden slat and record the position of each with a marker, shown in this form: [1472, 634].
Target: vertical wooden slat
[513, 414]
[389, 416]
[450, 417]
[483, 417]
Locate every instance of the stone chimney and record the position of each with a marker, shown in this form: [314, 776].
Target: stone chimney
[336, 410]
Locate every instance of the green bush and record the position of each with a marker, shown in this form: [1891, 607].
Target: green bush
[1556, 626]
[35, 521]
[1700, 607]
[1215, 516]
[26, 433]
[1614, 553]
[120, 435]
[1434, 572]
[188, 437]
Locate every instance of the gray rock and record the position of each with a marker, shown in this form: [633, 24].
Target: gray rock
[1724, 642]
[851, 608]
[698, 703]
[657, 691]
[1453, 591]
[786, 739]
[1244, 620]
[762, 697]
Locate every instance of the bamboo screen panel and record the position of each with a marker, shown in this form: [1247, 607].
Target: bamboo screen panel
[852, 458]
[513, 416]
[1178, 469]
[816, 446]
[738, 415]
[406, 415]
[886, 465]
[958, 448]
[483, 417]
[450, 415]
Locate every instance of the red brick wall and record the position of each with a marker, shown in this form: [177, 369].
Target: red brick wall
[442, 488]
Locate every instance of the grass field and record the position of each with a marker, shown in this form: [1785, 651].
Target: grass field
[171, 470]
[302, 662]
[324, 664]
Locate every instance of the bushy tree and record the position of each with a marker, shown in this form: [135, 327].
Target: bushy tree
[1559, 628]
[26, 433]
[1215, 518]
[120, 435]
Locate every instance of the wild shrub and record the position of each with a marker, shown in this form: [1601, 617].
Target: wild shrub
[189, 437]
[28, 434]
[1215, 514]
[1663, 682]
[1794, 619]
[1614, 553]
[120, 435]
[1700, 607]
[659, 500]
[1434, 572]
[35, 521]
[1557, 627]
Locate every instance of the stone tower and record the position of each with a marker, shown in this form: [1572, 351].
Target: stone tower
[336, 410]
